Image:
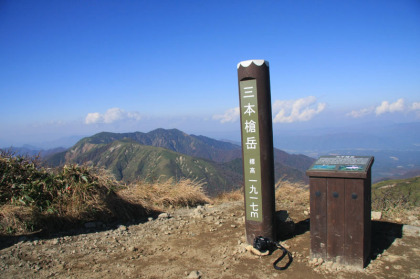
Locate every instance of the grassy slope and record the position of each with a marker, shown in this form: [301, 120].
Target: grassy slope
[220, 160]
[400, 191]
[130, 161]
[35, 198]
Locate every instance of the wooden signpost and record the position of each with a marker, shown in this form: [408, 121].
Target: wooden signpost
[257, 148]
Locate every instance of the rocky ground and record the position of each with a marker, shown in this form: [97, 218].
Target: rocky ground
[203, 242]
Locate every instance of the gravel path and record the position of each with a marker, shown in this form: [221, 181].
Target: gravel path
[202, 242]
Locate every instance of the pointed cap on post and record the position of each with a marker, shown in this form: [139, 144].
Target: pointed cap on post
[257, 62]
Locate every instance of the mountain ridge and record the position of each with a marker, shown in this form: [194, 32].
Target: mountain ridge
[173, 153]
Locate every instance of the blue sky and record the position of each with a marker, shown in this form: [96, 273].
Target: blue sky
[81, 67]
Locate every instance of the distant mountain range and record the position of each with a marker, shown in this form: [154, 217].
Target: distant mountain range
[395, 146]
[162, 154]
[29, 150]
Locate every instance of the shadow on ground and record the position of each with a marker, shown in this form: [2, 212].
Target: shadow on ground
[287, 228]
[383, 235]
[118, 212]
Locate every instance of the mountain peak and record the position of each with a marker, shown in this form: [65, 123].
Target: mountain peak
[173, 153]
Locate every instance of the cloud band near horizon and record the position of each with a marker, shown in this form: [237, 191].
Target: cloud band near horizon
[110, 116]
[288, 111]
[386, 107]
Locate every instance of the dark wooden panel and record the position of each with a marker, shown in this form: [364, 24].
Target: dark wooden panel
[367, 221]
[335, 219]
[341, 215]
[355, 219]
[318, 204]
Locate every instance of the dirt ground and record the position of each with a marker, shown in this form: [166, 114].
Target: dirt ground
[203, 242]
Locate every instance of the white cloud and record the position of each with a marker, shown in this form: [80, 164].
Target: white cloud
[299, 110]
[231, 115]
[93, 117]
[361, 113]
[387, 107]
[415, 106]
[113, 114]
[110, 116]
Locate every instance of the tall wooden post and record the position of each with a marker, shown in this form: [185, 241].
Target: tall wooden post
[257, 148]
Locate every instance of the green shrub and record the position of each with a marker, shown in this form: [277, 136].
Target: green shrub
[23, 182]
[72, 192]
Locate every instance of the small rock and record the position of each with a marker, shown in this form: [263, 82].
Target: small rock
[194, 274]
[306, 213]
[256, 252]
[376, 215]
[132, 249]
[163, 215]
[150, 219]
[241, 249]
[122, 228]
[335, 266]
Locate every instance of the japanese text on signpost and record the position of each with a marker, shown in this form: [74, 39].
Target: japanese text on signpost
[250, 138]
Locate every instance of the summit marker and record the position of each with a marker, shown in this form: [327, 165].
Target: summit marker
[257, 148]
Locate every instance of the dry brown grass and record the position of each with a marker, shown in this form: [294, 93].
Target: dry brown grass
[402, 214]
[18, 219]
[291, 195]
[101, 198]
[77, 194]
[236, 195]
[159, 195]
[287, 193]
[88, 194]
